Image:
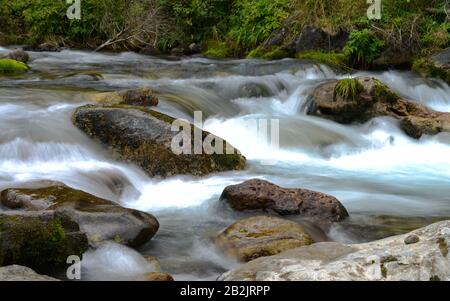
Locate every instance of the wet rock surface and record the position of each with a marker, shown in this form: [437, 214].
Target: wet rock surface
[102, 220]
[259, 236]
[389, 259]
[376, 100]
[257, 194]
[145, 138]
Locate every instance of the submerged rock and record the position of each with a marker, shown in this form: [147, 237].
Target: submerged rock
[20, 273]
[389, 259]
[41, 241]
[375, 100]
[145, 137]
[259, 236]
[258, 194]
[100, 219]
[137, 97]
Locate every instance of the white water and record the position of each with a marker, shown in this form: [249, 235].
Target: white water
[374, 169]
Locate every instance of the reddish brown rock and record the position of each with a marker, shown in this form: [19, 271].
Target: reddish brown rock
[257, 194]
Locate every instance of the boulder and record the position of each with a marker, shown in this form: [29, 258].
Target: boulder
[17, 55]
[145, 137]
[258, 194]
[42, 240]
[259, 236]
[374, 100]
[313, 38]
[138, 97]
[438, 65]
[389, 259]
[100, 219]
[20, 273]
[194, 48]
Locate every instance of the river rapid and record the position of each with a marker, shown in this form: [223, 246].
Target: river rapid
[389, 183]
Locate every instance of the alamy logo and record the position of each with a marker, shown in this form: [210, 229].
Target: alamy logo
[374, 10]
[190, 139]
[74, 10]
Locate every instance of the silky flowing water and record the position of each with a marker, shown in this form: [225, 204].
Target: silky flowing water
[389, 183]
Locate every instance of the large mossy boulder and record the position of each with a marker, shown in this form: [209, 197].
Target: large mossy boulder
[422, 255]
[145, 137]
[257, 194]
[102, 220]
[259, 236]
[361, 99]
[437, 65]
[12, 67]
[42, 241]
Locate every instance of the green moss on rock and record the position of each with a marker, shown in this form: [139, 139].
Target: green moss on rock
[40, 242]
[270, 53]
[332, 59]
[426, 68]
[11, 67]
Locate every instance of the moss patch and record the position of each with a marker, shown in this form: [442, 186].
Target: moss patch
[38, 243]
[8, 66]
[426, 68]
[382, 92]
[217, 49]
[271, 53]
[332, 59]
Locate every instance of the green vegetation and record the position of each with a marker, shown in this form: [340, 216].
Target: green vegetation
[216, 49]
[237, 28]
[362, 48]
[8, 66]
[270, 53]
[348, 88]
[336, 60]
[381, 91]
[424, 67]
[254, 20]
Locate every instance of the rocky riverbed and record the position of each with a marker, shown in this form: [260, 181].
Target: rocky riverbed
[87, 168]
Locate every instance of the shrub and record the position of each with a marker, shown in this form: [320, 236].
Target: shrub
[254, 20]
[362, 48]
[348, 88]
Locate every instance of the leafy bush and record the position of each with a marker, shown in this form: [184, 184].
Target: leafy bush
[198, 20]
[362, 48]
[254, 20]
[348, 88]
